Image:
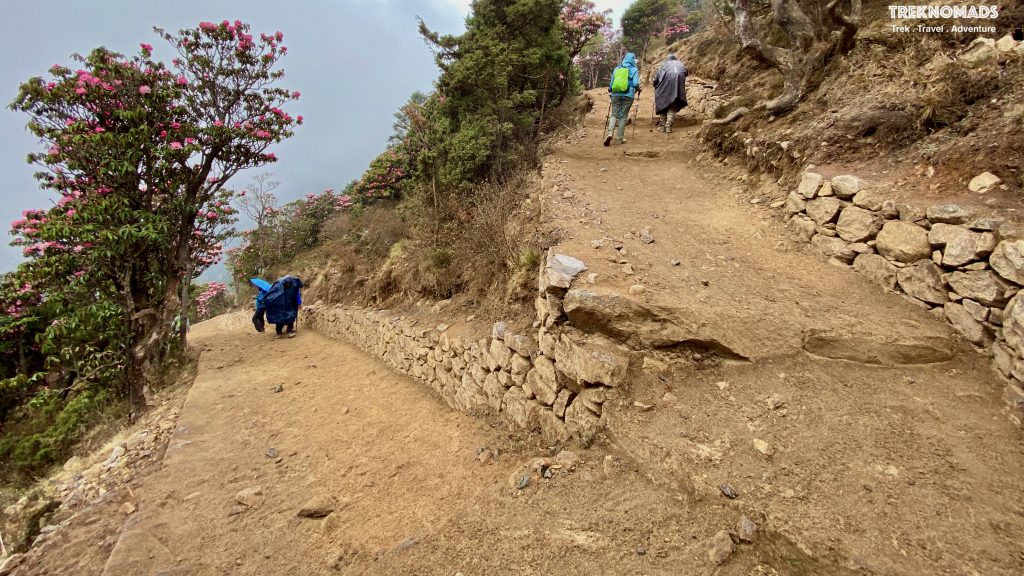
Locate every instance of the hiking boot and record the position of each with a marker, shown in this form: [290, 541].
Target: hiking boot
[608, 140]
[623, 141]
[668, 129]
[291, 334]
[661, 129]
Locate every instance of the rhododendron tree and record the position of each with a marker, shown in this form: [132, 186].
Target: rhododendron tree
[600, 56]
[675, 28]
[140, 154]
[646, 19]
[211, 300]
[581, 22]
[286, 231]
[258, 203]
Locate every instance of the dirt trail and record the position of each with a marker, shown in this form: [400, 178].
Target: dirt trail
[398, 466]
[909, 469]
[860, 469]
[732, 276]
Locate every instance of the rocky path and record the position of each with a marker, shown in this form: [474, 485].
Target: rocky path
[680, 227]
[306, 456]
[870, 438]
[850, 425]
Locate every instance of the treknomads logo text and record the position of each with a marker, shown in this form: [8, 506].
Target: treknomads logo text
[979, 12]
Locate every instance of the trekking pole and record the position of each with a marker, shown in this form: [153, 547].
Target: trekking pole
[635, 112]
[607, 117]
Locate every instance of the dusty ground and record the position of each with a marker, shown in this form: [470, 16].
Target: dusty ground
[900, 470]
[863, 469]
[397, 466]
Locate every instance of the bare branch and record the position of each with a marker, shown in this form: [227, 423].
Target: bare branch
[850, 23]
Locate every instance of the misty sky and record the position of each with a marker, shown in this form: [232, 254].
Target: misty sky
[355, 63]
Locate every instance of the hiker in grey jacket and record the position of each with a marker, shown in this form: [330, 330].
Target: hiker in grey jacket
[669, 91]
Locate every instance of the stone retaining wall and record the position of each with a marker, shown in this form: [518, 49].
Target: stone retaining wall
[553, 380]
[966, 268]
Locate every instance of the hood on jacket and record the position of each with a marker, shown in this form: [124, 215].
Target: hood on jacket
[629, 60]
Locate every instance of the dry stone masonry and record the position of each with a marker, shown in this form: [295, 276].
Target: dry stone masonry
[965, 268]
[554, 380]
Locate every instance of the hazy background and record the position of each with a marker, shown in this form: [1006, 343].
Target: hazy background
[355, 63]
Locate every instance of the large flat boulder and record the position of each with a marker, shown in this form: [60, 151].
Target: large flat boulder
[600, 310]
[883, 350]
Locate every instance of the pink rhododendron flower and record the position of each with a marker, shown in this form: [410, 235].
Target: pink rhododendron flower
[79, 90]
[299, 119]
[218, 123]
[270, 156]
[99, 129]
[182, 80]
[145, 89]
[296, 94]
[175, 125]
[175, 145]
[190, 140]
[146, 47]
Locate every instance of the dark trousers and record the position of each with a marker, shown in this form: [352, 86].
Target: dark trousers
[258, 319]
[290, 325]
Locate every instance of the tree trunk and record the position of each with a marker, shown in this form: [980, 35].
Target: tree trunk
[807, 56]
[543, 103]
[22, 360]
[184, 304]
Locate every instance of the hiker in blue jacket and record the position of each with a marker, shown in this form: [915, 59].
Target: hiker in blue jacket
[282, 303]
[258, 319]
[623, 86]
